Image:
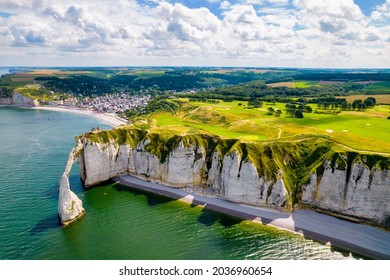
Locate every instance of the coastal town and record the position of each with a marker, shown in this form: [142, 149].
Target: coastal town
[113, 104]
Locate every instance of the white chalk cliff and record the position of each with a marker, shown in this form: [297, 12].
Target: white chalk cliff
[358, 192]
[18, 99]
[353, 190]
[229, 176]
[70, 206]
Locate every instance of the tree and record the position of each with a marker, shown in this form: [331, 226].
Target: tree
[370, 102]
[298, 114]
[308, 109]
[270, 111]
[256, 103]
[326, 105]
[361, 106]
[356, 103]
[278, 112]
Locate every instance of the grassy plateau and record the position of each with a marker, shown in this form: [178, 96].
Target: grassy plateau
[365, 131]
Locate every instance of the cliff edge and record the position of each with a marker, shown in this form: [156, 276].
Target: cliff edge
[313, 172]
[17, 99]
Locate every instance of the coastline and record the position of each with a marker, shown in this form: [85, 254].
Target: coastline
[109, 119]
[358, 238]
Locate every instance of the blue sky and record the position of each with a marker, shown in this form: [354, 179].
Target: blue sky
[261, 33]
[367, 6]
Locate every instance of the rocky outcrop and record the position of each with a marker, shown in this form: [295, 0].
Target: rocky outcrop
[355, 191]
[69, 205]
[278, 175]
[18, 99]
[239, 181]
[230, 176]
[5, 100]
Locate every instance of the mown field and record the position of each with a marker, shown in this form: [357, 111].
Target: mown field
[19, 80]
[380, 98]
[366, 131]
[367, 87]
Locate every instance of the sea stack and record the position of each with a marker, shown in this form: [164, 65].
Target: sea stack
[70, 206]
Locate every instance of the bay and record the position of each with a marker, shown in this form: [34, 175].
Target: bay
[120, 223]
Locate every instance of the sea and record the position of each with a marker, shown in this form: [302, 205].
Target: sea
[4, 70]
[120, 223]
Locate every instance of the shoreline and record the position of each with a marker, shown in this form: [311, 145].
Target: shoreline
[109, 119]
[358, 238]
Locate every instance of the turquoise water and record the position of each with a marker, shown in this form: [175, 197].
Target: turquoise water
[120, 223]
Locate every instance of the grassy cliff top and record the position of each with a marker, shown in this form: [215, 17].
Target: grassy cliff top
[297, 147]
[360, 131]
[296, 159]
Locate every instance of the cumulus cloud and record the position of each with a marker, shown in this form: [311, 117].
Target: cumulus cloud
[382, 13]
[278, 2]
[258, 32]
[341, 8]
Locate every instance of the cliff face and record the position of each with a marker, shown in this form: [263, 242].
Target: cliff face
[186, 165]
[18, 99]
[278, 175]
[357, 191]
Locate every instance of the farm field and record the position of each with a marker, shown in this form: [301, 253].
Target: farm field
[296, 84]
[380, 98]
[363, 131]
[19, 80]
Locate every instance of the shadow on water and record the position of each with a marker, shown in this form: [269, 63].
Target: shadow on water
[45, 225]
[209, 217]
[51, 192]
[152, 199]
[211, 213]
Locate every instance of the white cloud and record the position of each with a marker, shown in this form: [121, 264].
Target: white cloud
[278, 2]
[252, 2]
[340, 8]
[315, 33]
[225, 5]
[382, 13]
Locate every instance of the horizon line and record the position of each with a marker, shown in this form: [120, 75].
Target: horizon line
[200, 66]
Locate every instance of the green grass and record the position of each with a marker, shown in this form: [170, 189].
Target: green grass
[378, 88]
[305, 84]
[357, 130]
[368, 130]
[147, 75]
[296, 159]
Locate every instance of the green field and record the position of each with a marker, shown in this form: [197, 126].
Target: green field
[378, 88]
[306, 84]
[363, 131]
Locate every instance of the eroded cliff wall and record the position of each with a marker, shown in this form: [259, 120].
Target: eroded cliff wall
[18, 99]
[278, 175]
[230, 175]
[357, 190]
